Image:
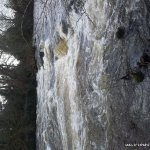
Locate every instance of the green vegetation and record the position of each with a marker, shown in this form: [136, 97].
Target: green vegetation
[138, 73]
[18, 83]
[138, 76]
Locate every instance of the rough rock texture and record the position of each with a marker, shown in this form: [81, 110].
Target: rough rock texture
[128, 102]
[83, 104]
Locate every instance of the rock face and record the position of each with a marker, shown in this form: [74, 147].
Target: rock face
[128, 102]
[84, 100]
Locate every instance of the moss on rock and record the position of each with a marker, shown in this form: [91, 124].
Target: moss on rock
[138, 76]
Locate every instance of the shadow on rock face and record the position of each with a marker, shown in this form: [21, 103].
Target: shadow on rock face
[41, 57]
[65, 27]
[120, 32]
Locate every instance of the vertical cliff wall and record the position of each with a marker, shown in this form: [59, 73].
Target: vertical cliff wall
[93, 84]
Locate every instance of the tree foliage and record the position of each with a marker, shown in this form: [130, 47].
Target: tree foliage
[18, 82]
